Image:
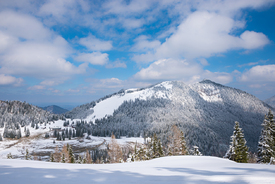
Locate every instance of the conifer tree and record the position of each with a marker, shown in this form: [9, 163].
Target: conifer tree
[27, 156]
[9, 156]
[1, 139]
[63, 158]
[71, 155]
[28, 132]
[237, 150]
[196, 151]
[160, 149]
[266, 144]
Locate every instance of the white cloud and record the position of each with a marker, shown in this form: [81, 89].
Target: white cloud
[23, 26]
[95, 58]
[94, 44]
[260, 73]
[171, 69]
[10, 80]
[168, 69]
[30, 49]
[204, 34]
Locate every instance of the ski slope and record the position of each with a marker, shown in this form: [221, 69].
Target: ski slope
[177, 169]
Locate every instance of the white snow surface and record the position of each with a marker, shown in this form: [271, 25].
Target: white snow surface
[107, 106]
[176, 169]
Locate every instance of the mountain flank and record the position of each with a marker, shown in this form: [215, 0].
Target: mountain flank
[55, 109]
[270, 101]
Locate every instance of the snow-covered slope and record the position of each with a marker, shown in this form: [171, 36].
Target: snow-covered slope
[270, 101]
[178, 169]
[107, 106]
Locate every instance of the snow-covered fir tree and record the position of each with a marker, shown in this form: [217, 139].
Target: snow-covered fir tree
[196, 151]
[266, 144]
[9, 156]
[237, 150]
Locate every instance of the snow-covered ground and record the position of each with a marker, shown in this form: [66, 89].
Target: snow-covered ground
[40, 147]
[177, 169]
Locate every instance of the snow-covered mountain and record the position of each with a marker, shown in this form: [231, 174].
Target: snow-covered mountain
[270, 101]
[205, 111]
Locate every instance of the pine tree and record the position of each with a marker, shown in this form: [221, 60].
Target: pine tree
[1, 139]
[27, 156]
[71, 155]
[237, 150]
[63, 158]
[9, 156]
[160, 149]
[266, 144]
[196, 151]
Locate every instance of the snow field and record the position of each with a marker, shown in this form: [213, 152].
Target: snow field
[176, 169]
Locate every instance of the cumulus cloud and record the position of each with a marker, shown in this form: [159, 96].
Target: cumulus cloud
[10, 80]
[32, 50]
[94, 44]
[260, 73]
[95, 58]
[203, 34]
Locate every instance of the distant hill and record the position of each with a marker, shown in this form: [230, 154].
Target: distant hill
[15, 113]
[270, 101]
[55, 109]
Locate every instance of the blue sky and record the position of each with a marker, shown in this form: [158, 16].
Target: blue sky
[70, 52]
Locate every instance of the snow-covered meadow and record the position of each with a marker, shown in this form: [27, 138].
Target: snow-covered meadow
[176, 169]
